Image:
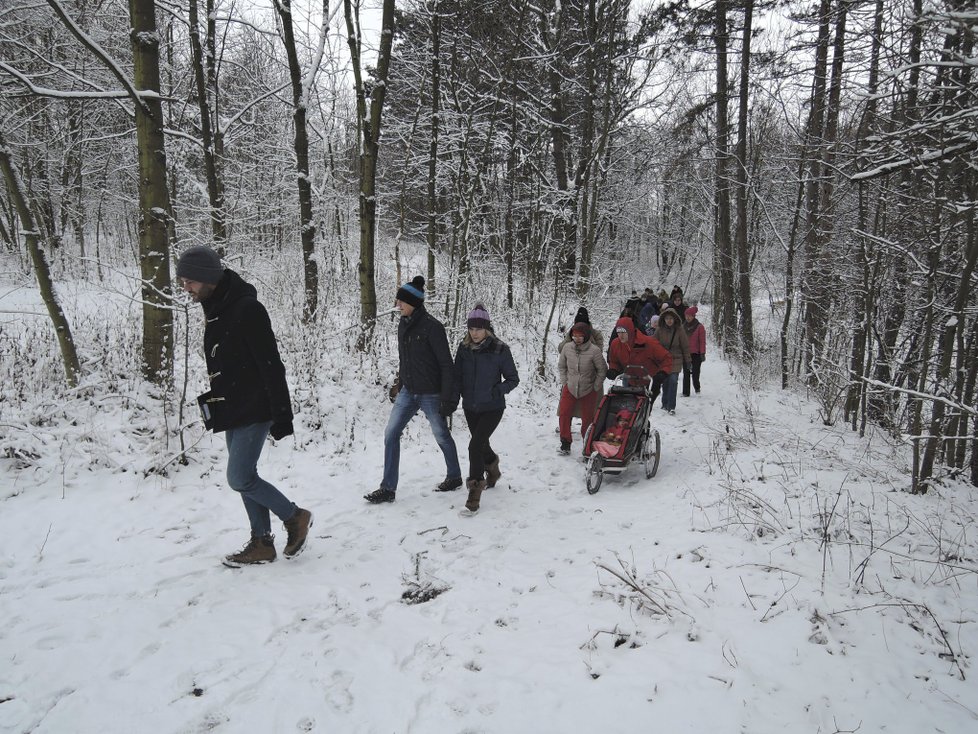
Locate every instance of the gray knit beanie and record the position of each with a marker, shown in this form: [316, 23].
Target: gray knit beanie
[200, 263]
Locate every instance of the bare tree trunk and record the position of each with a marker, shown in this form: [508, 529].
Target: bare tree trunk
[154, 198]
[922, 465]
[565, 205]
[743, 251]
[724, 313]
[18, 196]
[433, 147]
[300, 99]
[369, 128]
[509, 230]
[816, 287]
[942, 384]
[862, 307]
[967, 373]
[951, 331]
[215, 189]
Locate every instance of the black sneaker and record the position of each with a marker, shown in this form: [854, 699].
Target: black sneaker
[565, 447]
[380, 495]
[449, 485]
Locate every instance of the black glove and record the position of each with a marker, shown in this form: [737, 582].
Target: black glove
[446, 408]
[702, 358]
[613, 373]
[661, 376]
[688, 366]
[281, 429]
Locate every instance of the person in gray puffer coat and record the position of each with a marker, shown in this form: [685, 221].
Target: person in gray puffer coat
[596, 337]
[582, 371]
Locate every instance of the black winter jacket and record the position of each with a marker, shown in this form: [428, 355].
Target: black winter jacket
[426, 362]
[245, 370]
[484, 374]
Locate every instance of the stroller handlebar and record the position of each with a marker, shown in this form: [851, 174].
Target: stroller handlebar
[634, 373]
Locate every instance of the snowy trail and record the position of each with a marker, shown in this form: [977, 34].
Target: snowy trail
[122, 618]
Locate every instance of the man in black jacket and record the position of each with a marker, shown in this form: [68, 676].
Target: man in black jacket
[248, 399]
[427, 383]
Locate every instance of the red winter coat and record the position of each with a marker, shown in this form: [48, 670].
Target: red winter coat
[697, 337]
[641, 350]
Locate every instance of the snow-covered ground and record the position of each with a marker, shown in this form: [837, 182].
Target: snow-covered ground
[774, 576]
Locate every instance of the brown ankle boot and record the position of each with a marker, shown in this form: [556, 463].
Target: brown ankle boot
[492, 474]
[260, 549]
[475, 487]
[298, 528]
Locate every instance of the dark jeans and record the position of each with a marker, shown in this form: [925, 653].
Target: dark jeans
[406, 405]
[482, 426]
[697, 360]
[244, 448]
[658, 379]
[669, 391]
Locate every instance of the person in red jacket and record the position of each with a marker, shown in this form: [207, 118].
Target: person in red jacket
[697, 350]
[632, 347]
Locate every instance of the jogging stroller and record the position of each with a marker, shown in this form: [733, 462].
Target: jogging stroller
[626, 406]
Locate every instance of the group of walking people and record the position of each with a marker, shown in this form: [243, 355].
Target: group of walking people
[248, 399]
[654, 340]
[480, 376]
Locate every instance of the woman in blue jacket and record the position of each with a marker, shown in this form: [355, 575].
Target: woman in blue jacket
[484, 373]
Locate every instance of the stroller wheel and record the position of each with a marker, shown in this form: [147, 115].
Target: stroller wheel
[651, 452]
[594, 473]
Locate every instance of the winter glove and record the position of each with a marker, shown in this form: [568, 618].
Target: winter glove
[688, 366]
[613, 373]
[446, 408]
[394, 389]
[702, 358]
[281, 429]
[661, 376]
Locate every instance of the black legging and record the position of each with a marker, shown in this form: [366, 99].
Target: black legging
[481, 425]
[694, 372]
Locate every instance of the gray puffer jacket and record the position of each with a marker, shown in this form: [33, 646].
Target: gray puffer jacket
[582, 368]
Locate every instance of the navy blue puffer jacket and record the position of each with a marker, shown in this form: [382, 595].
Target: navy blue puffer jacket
[484, 373]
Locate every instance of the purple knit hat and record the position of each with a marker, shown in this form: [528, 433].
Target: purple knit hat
[478, 318]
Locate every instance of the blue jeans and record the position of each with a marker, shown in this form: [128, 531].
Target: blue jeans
[405, 408]
[259, 497]
[669, 391]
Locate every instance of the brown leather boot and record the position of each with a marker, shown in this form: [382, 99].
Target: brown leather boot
[492, 473]
[298, 529]
[475, 487]
[260, 549]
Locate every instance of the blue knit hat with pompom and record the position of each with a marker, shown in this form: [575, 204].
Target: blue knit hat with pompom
[412, 293]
